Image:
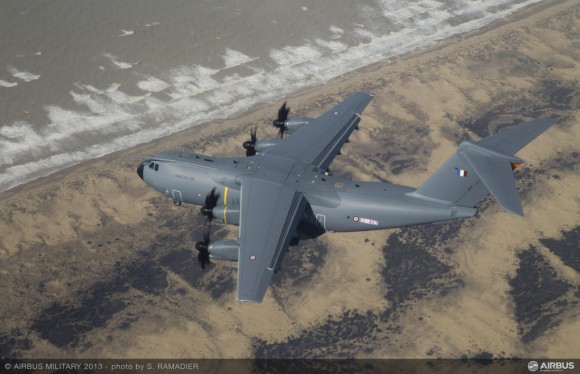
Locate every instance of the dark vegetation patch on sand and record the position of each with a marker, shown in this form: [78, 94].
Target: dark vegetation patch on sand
[337, 337]
[397, 149]
[300, 264]
[64, 323]
[566, 248]
[124, 284]
[564, 162]
[540, 296]
[13, 344]
[549, 98]
[417, 266]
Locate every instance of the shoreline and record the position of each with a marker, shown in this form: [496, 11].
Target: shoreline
[261, 110]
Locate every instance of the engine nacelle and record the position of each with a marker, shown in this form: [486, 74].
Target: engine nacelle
[261, 145]
[226, 250]
[294, 123]
[229, 214]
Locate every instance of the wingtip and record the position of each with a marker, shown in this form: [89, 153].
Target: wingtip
[249, 298]
[513, 207]
[552, 120]
[363, 93]
[249, 301]
[519, 212]
[544, 123]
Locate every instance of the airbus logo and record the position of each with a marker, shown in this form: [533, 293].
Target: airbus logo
[550, 366]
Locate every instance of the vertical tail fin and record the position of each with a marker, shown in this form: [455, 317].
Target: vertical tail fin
[482, 167]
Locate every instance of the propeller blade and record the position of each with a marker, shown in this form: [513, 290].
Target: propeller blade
[283, 113]
[202, 247]
[281, 131]
[203, 258]
[280, 122]
[253, 135]
[250, 145]
[210, 202]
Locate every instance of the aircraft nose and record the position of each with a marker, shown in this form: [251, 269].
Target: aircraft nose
[140, 170]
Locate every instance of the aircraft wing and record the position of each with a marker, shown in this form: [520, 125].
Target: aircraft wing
[320, 141]
[270, 213]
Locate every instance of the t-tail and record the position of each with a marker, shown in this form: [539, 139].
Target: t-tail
[482, 167]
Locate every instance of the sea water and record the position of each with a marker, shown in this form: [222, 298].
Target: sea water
[82, 79]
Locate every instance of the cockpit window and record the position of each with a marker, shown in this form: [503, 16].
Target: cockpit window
[151, 165]
[156, 167]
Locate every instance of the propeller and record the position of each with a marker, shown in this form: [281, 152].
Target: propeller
[207, 210]
[250, 145]
[202, 247]
[210, 202]
[280, 122]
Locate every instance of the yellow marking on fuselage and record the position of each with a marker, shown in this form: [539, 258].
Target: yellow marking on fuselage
[225, 204]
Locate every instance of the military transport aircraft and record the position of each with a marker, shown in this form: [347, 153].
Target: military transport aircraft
[282, 192]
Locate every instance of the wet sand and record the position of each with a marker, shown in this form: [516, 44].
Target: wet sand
[96, 264]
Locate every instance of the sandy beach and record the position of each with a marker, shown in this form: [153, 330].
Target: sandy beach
[94, 263]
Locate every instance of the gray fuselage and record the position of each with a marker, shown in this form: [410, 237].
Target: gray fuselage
[336, 204]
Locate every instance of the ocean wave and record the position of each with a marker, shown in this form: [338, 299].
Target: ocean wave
[234, 58]
[25, 76]
[109, 119]
[3, 83]
[116, 62]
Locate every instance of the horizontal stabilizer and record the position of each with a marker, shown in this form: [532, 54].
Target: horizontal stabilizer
[496, 172]
[483, 167]
[511, 140]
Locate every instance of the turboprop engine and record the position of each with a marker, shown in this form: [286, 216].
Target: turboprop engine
[294, 123]
[288, 124]
[228, 214]
[226, 250]
[254, 145]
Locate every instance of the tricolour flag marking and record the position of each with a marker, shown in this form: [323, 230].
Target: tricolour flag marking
[460, 172]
